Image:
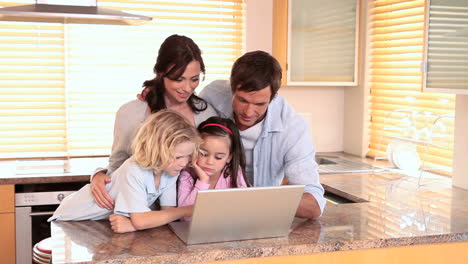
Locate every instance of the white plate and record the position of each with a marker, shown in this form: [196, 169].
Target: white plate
[405, 156]
[390, 149]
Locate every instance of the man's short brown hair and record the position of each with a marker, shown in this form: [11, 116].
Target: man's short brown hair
[254, 71]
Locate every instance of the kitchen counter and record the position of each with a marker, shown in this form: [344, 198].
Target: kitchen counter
[393, 211]
[49, 171]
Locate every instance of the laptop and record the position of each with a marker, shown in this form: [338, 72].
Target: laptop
[240, 213]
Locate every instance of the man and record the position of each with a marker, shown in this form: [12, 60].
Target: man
[276, 139]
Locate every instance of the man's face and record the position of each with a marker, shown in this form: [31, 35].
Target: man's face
[250, 107]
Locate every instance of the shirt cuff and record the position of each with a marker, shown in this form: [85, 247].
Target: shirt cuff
[96, 172]
[318, 195]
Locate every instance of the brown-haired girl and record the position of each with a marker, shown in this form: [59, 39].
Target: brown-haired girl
[220, 163]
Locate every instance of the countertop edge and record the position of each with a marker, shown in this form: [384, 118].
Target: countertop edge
[284, 251]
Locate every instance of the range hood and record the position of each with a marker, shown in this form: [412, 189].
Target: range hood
[82, 11]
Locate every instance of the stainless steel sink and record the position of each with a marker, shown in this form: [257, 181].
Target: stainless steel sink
[336, 199]
[329, 164]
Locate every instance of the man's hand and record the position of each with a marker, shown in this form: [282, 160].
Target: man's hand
[308, 207]
[121, 224]
[98, 189]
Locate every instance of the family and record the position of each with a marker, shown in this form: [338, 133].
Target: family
[170, 143]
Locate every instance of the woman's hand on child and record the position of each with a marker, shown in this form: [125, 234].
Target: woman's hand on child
[100, 194]
[201, 174]
[121, 224]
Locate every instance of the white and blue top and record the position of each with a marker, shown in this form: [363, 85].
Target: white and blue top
[132, 188]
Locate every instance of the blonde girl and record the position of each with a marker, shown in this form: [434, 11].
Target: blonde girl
[163, 146]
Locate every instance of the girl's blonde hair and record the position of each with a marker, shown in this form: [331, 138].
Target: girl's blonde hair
[154, 144]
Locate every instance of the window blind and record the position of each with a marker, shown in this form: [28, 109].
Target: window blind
[447, 56]
[62, 83]
[323, 42]
[398, 108]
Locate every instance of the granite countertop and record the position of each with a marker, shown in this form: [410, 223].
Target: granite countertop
[393, 210]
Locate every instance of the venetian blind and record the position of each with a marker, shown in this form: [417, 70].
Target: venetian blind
[323, 42]
[447, 55]
[62, 83]
[398, 108]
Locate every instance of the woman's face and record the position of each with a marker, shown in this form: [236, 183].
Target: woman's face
[178, 91]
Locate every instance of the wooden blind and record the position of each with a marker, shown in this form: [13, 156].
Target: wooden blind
[398, 108]
[61, 84]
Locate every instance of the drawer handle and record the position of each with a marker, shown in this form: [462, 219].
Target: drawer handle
[42, 213]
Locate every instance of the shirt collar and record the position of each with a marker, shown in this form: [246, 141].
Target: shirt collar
[273, 122]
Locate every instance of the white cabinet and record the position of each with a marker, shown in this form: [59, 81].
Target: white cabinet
[322, 41]
[446, 54]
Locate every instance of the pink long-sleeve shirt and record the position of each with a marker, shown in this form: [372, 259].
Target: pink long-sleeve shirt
[187, 190]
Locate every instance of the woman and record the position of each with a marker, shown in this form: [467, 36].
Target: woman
[178, 68]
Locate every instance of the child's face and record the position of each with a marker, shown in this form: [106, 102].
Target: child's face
[214, 154]
[182, 156]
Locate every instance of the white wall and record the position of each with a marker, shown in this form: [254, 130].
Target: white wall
[259, 27]
[460, 152]
[356, 107]
[322, 107]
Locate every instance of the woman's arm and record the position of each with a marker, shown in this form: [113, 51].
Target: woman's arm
[98, 189]
[124, 128]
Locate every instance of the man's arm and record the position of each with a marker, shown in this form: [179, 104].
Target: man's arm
[308, 207]
[304, 172]
[301, 168]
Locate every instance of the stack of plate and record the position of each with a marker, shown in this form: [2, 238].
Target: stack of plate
[403, 155]
[42, 252]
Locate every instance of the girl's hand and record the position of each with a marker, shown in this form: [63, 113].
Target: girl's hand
[201, 174]
[121, 224]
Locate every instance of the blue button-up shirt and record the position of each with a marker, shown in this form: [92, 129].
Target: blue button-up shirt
[284, 148]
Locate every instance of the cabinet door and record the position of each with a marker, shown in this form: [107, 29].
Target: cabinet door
[322, 40]
[446, 55]
[7, 239]
[7, 198]
[7, 224]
